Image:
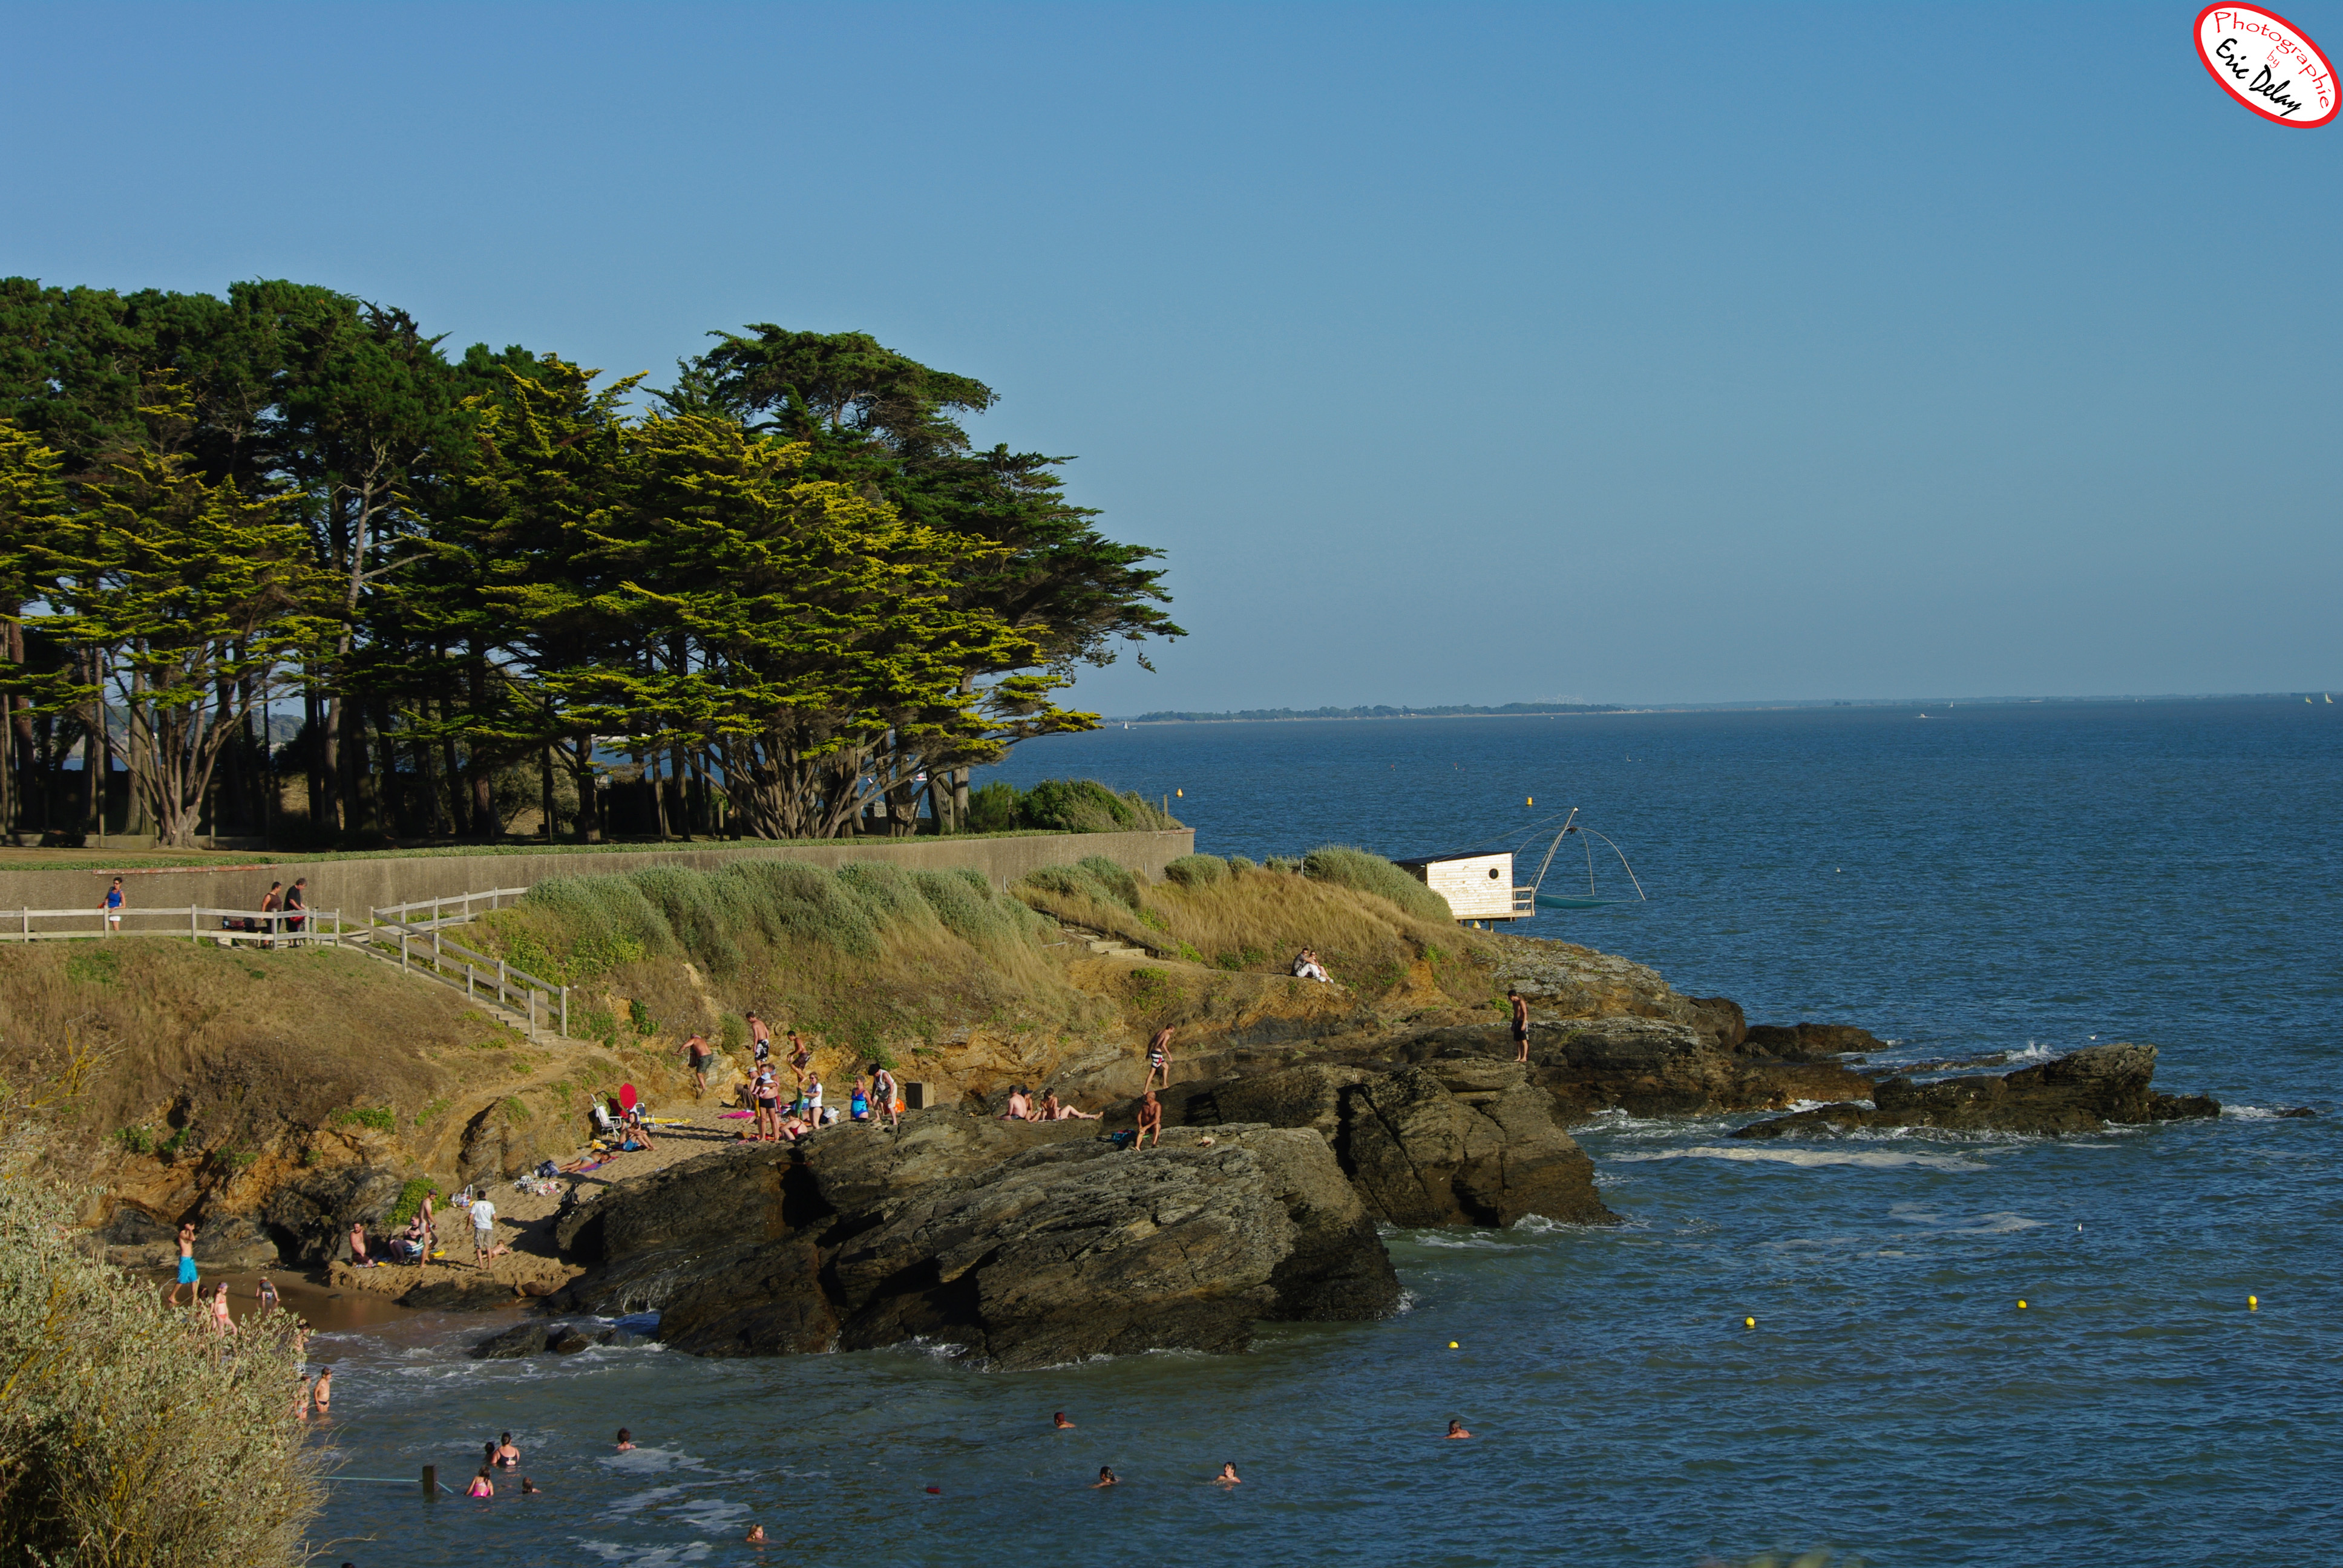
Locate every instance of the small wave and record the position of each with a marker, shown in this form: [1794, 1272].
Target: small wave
[1879, 1158]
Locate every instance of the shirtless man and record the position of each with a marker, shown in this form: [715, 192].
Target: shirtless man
[883, 1088]
[1020, 1107]
[1159, 1058]
[1151, 1119]
[800, 1058]
[187, 1280]
[1456, 1429]
[760, 1039]
[695, 1051]
[430, 1222]
[1521, 1025]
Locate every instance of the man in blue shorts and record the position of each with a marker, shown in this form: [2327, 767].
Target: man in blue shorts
[188, 1280]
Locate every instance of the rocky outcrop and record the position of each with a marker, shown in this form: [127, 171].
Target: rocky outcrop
[2083, 1092]
[1024, 1245]
[1457, 1141]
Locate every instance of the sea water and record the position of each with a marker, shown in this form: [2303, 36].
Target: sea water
[2020, 878]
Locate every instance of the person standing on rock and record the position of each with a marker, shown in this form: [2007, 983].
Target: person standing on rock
[883, 1087]
[697, 1053]
[1159, 1058]
[760, 1040]
[1521, 1025]
[430, 1223]
[484, 1231]
[187, 1280]
[1151, 1119]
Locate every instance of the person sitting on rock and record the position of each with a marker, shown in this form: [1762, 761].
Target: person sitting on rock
[858, 1102]
[1151, 1119]
[1307, 967]
[1055, 1110]
[1020, 1107]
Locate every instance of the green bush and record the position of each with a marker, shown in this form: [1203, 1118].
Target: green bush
[1197, 870]
[1345, 867]
[135, 1140]
[639, 1018]
[410, 1201]
[891, 894]
[381, 1121]
[1239, 863]
[1095, 878]
[994, 809]
[128, 1439]
[1063, 806]
[691, 903]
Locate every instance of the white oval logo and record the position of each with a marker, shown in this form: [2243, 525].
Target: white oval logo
[2265, 62]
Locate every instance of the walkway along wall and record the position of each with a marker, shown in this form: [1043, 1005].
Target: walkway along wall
[356, 886]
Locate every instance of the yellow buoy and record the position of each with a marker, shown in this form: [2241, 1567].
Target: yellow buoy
[2021, 1303]
[1749, 1322]
[1452, 1345]
[1529, 801]
[2253, 1303]
[1179, 794]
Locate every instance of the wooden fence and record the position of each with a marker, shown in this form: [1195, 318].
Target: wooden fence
[195, 922]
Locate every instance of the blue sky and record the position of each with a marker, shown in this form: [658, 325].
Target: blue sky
[1453, 353]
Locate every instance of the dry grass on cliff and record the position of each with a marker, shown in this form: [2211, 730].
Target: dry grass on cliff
[870, 959]
[246, 1044]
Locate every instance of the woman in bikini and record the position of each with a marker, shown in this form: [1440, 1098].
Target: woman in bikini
[768, 1105]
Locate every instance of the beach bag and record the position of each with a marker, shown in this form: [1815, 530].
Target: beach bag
[1121, 1140]
[547, 1169]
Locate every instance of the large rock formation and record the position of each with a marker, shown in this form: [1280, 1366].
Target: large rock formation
[1026, 1245]
[2078, 1094]
[1457, 1141]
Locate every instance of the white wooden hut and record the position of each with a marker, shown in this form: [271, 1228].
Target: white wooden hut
[1477, 887]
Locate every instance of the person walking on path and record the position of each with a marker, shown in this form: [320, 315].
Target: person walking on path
[1151, 1119]
[696, 1053]
[297, 904]
[1159, 1058]
[271, 902]
[484, 1231]
[1521, 1025]
[188, 1280]
[222, 1324]
[113, 908]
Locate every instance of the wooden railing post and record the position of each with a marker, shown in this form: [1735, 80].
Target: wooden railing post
[191, 924]
[565, 1012]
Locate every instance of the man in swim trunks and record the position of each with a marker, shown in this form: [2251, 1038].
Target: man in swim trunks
[1521, 1025]
[695, 1051]
[1151, 1119]
[760, 1040]
[188, 1280]
[1159, 1058]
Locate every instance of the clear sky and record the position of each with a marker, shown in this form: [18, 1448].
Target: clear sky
[1451, 353]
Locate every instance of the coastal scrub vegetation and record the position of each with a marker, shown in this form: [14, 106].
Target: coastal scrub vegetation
[863, 955]
[130, 1436]
[1063, 806]
[1346, 867]
[280, 539]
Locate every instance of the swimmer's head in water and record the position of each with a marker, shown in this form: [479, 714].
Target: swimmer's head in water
[624, 1436]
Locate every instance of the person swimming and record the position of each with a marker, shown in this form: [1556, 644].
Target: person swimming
[482, 1486]
[626, 1441]
[1229, 1476]
[1456, 1429]
[530, 1488]
[756, 1536]
[1106, 1477]
[504, 1454]
[1061, 1421]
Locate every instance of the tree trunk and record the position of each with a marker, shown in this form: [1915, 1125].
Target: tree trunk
[544, 779]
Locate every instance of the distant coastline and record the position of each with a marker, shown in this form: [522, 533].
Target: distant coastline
[1531, 710]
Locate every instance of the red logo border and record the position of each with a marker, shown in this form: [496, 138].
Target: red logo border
[2197, 36]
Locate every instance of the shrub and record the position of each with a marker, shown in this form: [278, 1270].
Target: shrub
[1239, 863]
[1120, 883]
[994, 809]
[128, 1439]
[790, 898]
[410, 1200]
[381, 1121]
[1197, 870]
[1355, 869]
[640, 1018]
[891, 894]
[136, 1140]
[691, 905]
